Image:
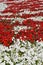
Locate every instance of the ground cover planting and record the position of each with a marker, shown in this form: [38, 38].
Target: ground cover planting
[21, 32]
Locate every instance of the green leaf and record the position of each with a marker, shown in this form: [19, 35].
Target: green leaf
[9, 52]
[7, 64]
[20, 53]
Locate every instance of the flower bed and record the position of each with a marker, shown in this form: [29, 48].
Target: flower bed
[21, 32]
[6, 33]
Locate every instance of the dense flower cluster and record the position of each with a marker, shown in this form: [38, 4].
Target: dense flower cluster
[25, 10]
[6, 33]
[32, 33]
[21, 32]
[22, 53]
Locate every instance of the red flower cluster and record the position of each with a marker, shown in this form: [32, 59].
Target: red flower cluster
[34, 33]
[14, 7]
[34, 30]
[6, 33]
[25, 35]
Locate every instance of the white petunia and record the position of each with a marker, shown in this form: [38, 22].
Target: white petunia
[2, 6]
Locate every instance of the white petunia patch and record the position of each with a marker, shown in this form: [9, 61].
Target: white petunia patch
[2, 6]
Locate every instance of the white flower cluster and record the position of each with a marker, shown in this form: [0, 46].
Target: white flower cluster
[2, 6]
[22, 53]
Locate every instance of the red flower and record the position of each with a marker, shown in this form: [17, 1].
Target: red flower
[6, 33]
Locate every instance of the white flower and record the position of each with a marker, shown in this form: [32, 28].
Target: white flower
[11, 63]
[2, 6]
[22, 49]
[6, 58]
[3, 63]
